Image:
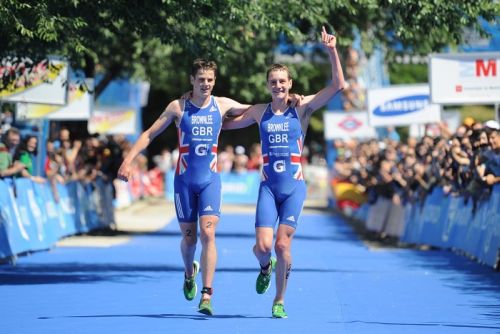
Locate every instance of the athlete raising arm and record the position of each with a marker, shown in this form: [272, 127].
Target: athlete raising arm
[282, 190]
[197, 185]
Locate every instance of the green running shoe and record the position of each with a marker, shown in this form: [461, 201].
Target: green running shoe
[264, 281]
[279, 311]
[205, 307]
[190, 288]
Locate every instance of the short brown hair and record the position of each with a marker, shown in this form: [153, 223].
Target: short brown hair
[203, 64]
[278, 67]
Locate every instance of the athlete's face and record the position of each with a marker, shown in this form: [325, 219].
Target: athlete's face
[203, 83]
[279, 84]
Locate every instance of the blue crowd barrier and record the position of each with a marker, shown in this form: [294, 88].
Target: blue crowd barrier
[79, 201]
[489, 240]
[449, 222]
[18, 238]
[90, 199]
[5, 250]
[240, 188]
[31, 215]
[66, 210]
[237, 188]
[5, 222]
[32, 218]
[104, 196]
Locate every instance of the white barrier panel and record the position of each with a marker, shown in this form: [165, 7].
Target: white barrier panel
[465, 78]
[378, 215]
[395, 221]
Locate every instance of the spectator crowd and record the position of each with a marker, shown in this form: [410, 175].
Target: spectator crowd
[465, 163]
[65, 160]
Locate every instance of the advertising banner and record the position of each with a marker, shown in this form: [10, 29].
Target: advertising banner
[113, 121]
[347, 125]
[79, 107]
[44, 82]
[401, 105]
[463, 78]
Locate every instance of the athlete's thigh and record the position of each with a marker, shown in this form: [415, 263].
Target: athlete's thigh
[266, 213]
[186, 204]
[209, 198]
[291, 207]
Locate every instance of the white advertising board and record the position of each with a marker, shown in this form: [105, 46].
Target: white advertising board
[113, 121]
[401, 105]
[342, 125]
[79, 107]
[44, 82]
[465, 78]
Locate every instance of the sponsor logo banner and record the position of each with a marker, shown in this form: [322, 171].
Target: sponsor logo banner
[401, 105]
[347, 125]
[79, 107]
[113, 121]
[465, 78]
[44, 82]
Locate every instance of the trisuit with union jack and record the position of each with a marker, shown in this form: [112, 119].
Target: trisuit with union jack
[197, 185]
[282, 190]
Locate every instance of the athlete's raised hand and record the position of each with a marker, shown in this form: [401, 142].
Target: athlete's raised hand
[329, 41]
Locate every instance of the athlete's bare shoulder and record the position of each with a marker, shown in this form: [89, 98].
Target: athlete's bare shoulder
[174, 108]
[258, 109]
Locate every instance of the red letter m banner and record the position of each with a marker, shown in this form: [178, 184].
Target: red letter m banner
[486, 69]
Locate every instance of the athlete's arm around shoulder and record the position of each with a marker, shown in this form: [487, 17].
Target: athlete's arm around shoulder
[250, 116]
[312, 103]
[172, 112]
[229, 107]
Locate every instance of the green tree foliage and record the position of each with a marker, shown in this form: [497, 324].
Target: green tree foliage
[136, 37]
[157, 40]
[408, 73]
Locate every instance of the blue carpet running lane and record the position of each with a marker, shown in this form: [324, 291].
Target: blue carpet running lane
[337, 285]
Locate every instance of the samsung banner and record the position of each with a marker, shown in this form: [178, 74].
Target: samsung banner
[79, 107]
[401, 105]
[23, 81]
[347, 125]
[465, 78]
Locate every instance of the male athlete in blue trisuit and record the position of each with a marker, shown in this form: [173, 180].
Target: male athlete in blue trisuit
[282, 190]
[197, 186]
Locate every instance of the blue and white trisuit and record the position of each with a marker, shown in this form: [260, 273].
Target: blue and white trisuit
[282, 190]
[197, 185]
